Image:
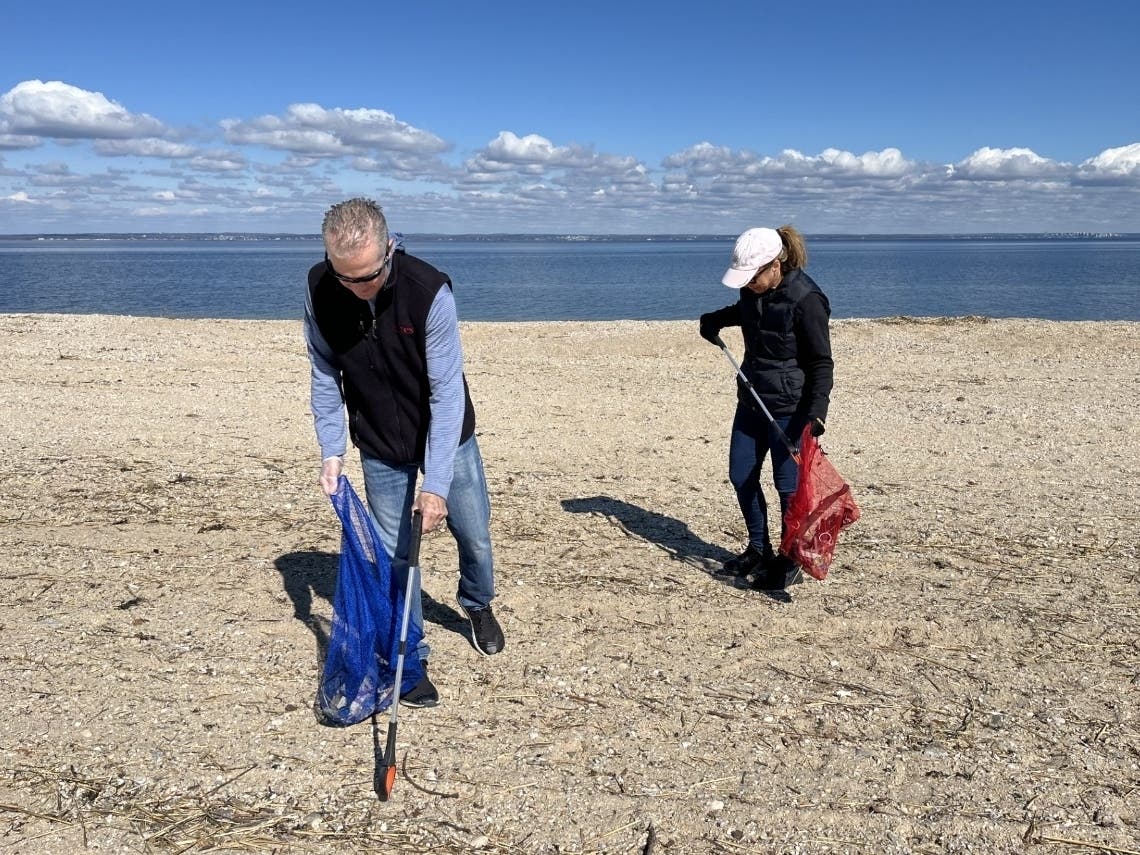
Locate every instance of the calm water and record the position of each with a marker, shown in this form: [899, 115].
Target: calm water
[583, 280]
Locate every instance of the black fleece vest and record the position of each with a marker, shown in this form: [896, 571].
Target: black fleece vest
[768, 323]
[382, 359]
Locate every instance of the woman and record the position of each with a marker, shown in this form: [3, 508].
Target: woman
[787, 358]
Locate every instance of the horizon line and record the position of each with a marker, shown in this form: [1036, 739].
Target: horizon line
[569, 235]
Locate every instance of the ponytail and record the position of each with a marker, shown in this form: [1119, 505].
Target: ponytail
[795, 254]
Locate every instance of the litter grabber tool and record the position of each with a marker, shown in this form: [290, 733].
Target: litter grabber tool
[385, 776]
[792, 450]
[822, 505]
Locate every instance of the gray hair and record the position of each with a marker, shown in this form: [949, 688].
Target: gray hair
[350, 225]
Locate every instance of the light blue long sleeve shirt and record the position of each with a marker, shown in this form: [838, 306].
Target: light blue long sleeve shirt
[445, 382]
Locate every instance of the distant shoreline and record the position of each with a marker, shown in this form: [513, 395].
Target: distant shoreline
[567, 238]
[629, 324]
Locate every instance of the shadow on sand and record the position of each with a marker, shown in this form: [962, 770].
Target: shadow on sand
[671, 536]
[305, 575]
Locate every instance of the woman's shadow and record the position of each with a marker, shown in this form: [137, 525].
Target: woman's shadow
[670, 535]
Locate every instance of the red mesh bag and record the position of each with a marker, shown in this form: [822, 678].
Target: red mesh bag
[821, 507]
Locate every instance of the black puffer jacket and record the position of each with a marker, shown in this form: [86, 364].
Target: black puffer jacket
[787, 347]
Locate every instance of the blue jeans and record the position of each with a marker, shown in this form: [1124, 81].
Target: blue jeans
[753, 439]
[391, 490]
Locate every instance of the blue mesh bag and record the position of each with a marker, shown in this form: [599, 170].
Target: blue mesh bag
[360, 665]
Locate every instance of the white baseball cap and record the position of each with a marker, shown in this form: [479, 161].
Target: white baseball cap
[754, 249]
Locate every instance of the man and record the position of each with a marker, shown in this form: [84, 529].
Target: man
[383, 342]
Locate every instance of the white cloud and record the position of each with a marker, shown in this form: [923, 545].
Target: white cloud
[312, 130]
[511, 155]
[271, 132]
[403, 166]
[1112, 166]
[535, 155]
[996, 164]
[53, 167]
[888, 163]
[514, 182]
[510, 149]
[290, 166]
[705, 160]
[60, 176]
[17, 141]
[144, 147]
[540, 193]
[58, 110]
[219, 161]
[525, 167]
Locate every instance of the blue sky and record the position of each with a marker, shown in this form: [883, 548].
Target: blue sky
[572, 118]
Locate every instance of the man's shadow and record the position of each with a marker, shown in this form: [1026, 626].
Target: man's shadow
[305, 575]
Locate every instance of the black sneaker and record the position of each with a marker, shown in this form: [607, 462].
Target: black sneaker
[422, 694]
[779, 572]
[748, 561]
[486, 634]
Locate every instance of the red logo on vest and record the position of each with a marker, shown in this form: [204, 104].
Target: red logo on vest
[406, 330]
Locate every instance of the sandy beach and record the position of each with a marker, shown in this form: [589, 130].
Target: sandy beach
[966, 680]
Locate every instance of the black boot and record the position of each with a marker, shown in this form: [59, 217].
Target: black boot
[748, 561]
[779, 572]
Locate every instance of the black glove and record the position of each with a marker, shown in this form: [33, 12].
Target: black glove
[817, 426]
[710, 332]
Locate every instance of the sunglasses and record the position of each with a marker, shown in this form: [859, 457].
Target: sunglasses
[357, 280]
[766, 267]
